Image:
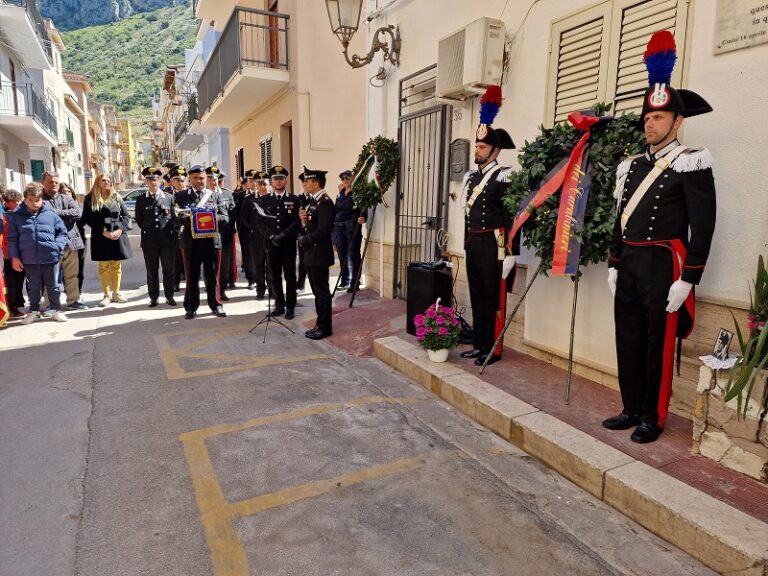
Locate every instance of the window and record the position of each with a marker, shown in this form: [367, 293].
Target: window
[38, 167]
[240, 164]
[596, 55]
[265, 149]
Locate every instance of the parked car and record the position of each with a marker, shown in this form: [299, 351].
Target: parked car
[129, 197]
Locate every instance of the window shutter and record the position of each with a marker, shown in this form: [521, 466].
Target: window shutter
[634, 24]
[265, 149]
[578, 62]
[240, 164]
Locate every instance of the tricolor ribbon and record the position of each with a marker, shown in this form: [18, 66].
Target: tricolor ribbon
[572, 176]
[370, 171]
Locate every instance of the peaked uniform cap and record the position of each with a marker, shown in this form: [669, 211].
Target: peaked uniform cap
[179, 171]
[152, 173]
[196, 169]
[278, 170]
[311, 174]
[212, 171]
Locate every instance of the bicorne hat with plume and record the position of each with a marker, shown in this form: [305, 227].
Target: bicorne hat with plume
[490, 104]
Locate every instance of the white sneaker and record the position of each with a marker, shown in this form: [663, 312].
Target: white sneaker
[31, 317]
[59, 316]
[105, 301]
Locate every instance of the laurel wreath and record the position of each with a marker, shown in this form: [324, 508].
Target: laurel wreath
[368, 194]
[609, 146]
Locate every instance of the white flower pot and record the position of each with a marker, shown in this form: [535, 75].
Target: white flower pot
[438, 355]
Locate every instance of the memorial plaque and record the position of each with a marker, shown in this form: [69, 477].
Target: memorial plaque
[740, 24]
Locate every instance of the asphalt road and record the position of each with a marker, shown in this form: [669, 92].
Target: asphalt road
[134, 442]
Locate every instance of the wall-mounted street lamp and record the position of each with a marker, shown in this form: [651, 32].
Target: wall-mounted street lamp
[344, 16]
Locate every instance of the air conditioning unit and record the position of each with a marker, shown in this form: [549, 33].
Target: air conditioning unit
[470, 60]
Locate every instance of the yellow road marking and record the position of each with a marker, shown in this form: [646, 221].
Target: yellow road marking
[320, 487]
[227, 553]
[172, 355]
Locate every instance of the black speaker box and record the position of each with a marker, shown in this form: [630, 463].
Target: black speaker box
[424, 287]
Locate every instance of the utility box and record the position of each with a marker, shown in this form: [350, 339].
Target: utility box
[459, 159]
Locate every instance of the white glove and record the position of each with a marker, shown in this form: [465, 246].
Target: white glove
[508, 265]
[678, 292]
[613, 276]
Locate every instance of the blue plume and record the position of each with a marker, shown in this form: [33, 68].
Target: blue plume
[660, 57]
[490, 104]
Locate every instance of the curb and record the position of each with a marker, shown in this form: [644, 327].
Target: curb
[720, 536]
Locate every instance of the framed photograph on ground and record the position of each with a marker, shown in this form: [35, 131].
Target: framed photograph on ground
[722, 344]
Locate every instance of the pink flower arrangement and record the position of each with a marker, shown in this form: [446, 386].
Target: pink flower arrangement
[437, 328]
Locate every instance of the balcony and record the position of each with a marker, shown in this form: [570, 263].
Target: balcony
[22, 27]
[184, 135]
[24, 113]
[247, 67]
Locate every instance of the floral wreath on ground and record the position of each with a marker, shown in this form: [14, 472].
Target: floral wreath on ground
[438, 328]
[375, 170]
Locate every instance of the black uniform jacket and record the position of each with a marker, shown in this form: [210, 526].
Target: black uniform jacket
[187, 199]
[487, 212]
[680, 205]
[285, 209]
[227, 201]
[155, 217]
[318, 248]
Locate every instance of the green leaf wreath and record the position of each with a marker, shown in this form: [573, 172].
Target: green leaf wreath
[619, 139]
[365, 193]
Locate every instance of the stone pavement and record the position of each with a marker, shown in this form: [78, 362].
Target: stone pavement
[711, 512]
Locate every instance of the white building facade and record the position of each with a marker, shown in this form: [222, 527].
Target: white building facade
[565, 56]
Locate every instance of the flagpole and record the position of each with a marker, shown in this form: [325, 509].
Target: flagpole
[511, 317]
[356, 285]
[570, 346]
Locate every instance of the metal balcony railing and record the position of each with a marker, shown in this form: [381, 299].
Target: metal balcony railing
[251, 38]
[36, 18]
[70, 137]
[181, 127]
[23, 100]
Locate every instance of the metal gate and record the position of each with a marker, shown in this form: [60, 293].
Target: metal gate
[422, 186]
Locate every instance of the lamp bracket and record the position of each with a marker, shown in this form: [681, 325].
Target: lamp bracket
[391, 53]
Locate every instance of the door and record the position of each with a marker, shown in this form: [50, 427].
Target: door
[422, 183]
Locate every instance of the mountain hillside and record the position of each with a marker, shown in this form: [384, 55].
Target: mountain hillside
[73, 14]
[126, 61]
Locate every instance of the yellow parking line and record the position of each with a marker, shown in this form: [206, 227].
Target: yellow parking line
[320, 487]
[227, 554]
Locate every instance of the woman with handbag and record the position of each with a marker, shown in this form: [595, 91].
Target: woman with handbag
[105, 212]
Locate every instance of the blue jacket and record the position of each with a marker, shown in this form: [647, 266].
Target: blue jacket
[36, 238]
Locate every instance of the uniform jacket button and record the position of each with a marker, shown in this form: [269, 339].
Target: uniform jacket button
[648, 238]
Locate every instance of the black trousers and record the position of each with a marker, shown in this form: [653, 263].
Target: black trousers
[227, 270]
[14, 286]
[300, 281]
[246, 249]
[161, 254]
[178, 270]
[645, 275]
[484, 276]
[318, 281]
[348, 237]
[207, 256]
[282, 264]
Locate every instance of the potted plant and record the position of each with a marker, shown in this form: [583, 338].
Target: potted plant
[754, 349]
[437, 330]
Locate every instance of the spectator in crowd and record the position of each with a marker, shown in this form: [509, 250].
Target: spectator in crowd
[37, 237]
[14, 280]
[79, 198]
[67, 208]
[106, 214]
